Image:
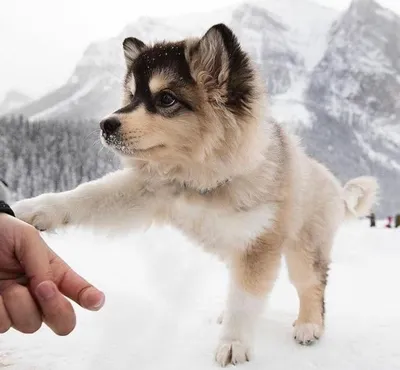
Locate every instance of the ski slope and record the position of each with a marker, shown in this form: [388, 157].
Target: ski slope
[164, 296]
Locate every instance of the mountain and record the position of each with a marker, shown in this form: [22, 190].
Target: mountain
[268, 30]
[353, 96]
[12, 101]
[333, 78]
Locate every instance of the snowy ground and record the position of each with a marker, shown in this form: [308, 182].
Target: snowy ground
[164, 295]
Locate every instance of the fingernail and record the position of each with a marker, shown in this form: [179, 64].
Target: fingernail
[100, 302]
[46, 290]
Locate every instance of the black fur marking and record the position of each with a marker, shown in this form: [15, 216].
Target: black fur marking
[161, 57]
[130, 107]
[164, 57]
[241, 77]
[321, 267]
[4, 183]
[132, 47]
[133, 40]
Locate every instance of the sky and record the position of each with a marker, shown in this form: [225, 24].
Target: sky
[42, 40]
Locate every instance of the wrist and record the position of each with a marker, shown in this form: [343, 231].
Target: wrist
[5, 208]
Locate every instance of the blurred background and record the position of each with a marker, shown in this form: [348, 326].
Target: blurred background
[331, 67]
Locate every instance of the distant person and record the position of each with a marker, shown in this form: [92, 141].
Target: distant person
[397, 220]
[372, 220]
[34, 281]
[389, 222]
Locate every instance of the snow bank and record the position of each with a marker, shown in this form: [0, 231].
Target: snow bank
[164, 295]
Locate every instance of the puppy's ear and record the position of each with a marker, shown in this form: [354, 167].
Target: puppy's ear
[210, 57]
[132, 48]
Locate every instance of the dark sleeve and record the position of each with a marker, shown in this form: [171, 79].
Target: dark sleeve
[5, 208]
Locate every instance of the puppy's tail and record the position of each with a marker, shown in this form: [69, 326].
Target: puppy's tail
[360, 195]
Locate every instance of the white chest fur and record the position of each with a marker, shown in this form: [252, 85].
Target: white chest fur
[219, 229]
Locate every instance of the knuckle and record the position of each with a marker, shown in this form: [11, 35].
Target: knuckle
[31, 232]
[12, 293]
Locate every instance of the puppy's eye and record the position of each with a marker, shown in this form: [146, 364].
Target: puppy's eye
[166, 99]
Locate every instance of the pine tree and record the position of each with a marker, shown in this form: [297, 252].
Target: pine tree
[50, 156]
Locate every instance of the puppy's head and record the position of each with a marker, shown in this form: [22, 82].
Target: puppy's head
[186, 102]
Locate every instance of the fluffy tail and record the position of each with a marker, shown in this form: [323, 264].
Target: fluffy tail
[360, 195]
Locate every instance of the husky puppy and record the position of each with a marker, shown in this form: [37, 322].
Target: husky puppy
[200, 153]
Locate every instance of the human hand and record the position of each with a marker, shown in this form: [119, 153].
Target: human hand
[34, 283]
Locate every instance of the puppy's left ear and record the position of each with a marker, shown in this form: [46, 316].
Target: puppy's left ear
[210, 58]
[132, 48]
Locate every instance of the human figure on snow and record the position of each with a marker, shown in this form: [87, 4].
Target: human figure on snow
[372, 220]
[397, 221]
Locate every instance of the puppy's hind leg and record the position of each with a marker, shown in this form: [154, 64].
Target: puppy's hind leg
[308, 270]
[252, 276]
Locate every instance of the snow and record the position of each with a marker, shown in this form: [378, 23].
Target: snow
[74, 79]
[376, 156]
[12, 100]
[386, 13]
[310, 25]
[164, 295]
[289, 107]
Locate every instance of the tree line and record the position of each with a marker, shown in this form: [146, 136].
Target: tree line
[50, 156]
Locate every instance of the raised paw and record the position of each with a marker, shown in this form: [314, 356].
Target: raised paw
[42, 212]
[307, 333]
[232, 352]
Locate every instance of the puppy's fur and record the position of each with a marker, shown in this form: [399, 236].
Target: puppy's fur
[200, 153]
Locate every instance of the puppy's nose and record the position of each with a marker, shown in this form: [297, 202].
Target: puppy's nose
[110, 125]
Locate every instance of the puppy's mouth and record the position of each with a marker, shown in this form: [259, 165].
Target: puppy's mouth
[128, 149]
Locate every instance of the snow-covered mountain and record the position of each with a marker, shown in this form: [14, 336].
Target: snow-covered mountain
[333, 77]
[277, 34]
[353, 98]
[13, 100]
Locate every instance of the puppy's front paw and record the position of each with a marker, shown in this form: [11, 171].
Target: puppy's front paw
[232, 352]
[307, 333]
[44, 212]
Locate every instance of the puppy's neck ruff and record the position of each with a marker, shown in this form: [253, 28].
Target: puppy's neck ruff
[209, 190]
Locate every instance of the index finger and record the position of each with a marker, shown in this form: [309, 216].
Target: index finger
[74, 286]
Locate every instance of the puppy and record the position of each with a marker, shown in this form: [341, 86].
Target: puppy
[200, 153]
